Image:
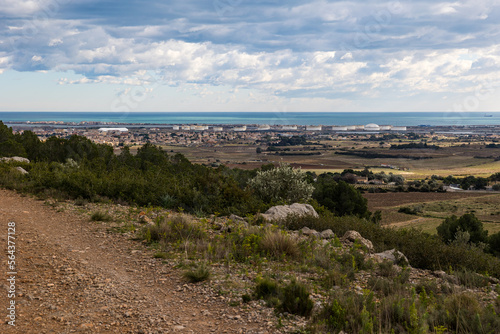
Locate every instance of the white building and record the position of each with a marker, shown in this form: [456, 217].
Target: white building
[264, 127]
[314, 128]
[398, 128]
[121, 130]
[341, 128]
[240, 128]
[372, 127]
[289, 127]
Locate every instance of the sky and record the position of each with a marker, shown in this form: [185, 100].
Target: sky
[240, 55]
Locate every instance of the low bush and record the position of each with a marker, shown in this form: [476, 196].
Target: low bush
[278, 244]
[423, 250]
[101, 216]
[199, 273]
[292, 298]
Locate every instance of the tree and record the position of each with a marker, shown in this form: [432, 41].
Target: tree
[339, 197]
[282, 183]
[469, 223]
[258, 150]
[494, 243]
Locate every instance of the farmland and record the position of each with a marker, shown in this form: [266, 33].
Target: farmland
[432, 208]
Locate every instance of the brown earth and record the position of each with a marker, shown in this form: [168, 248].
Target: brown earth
[378, 201]
[75, 276]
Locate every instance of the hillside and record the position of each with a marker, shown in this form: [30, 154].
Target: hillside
[75, 274]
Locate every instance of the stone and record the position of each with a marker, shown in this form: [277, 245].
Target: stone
[16, 159]
[22, 170]
[394, 256]
[327, 234]
[239, 220]
[282, 211]
[146, 220]
[354, 235]
[308, 232]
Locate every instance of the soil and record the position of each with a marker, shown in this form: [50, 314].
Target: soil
[377, 201]
[73, 275]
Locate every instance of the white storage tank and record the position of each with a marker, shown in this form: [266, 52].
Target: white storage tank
[372, 127]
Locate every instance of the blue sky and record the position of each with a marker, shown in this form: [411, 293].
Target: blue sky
[239, 55]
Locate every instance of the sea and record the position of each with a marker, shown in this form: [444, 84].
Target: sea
[270, 118]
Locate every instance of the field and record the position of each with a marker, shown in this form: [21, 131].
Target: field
[457, 158]
[337, 155]
[434, 207]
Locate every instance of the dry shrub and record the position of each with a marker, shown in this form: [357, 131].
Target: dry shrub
[277, 244]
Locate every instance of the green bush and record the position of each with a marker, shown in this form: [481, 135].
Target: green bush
[282, 183]
[199, 273]
[295, 299]
[448, 230]
[339, 197]
[101, 216]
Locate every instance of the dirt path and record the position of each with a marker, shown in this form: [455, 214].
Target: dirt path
[74, 276]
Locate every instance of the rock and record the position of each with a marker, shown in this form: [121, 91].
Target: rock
[308, 232]
[395, 256]
[22, 170]
[449, 278]
[354, 235]
[238, 220]
[146, 220]
[327, 234]
[282, 211]
[17, 159]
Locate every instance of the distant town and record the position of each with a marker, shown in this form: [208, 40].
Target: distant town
[126, 134]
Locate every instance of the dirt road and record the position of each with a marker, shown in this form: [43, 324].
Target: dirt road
[74, 276]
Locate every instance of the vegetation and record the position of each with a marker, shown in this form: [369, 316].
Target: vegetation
[282, 183]
[448, 230]
[275, 263]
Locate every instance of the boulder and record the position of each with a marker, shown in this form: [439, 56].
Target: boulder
[21, 170]
[282, 211]
[394, 256]
[17, 159]
[327, 234]
[354, 235]
[238, 219]
[145, 219]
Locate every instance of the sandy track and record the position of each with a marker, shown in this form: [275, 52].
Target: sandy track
[74, 276]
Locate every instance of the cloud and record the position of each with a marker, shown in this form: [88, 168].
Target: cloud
[299, 49]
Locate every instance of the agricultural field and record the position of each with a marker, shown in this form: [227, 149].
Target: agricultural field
[457, 159]
[432, 208]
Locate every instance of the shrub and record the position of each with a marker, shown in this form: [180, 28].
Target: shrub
[339, 197]
[470, 279]
[494, 244]
[277, 244]
[295, 299]
[198, 274]
[282, 183]
[447, 231]
[266, 288]
[100, 216]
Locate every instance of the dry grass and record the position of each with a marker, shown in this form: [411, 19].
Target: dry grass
[277, 244]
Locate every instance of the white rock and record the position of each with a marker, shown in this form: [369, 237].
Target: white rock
[327, 234]
[354, 235]
[17, 159]
[21, 170]
[282, 211]
[394, 256]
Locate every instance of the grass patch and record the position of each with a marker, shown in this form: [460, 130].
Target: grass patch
[100, 216]
[199, 273]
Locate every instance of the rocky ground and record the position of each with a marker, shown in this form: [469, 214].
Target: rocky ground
[75, 276]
